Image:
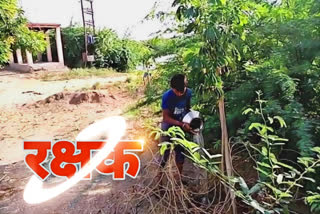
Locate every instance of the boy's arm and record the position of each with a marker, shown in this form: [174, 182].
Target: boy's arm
[168, 119]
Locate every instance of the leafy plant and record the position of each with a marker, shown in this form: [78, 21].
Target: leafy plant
[278, 180]
[279, 177]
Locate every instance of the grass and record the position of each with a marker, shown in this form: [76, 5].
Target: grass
[149, 111]
[147, 108]
[79, 73]
[134, 81]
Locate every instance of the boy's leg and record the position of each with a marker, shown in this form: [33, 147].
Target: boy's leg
[165, 157]
[179, 150]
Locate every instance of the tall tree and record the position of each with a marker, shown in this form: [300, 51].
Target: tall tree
[220, 25]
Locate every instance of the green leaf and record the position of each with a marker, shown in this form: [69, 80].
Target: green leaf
[245, 112]
[269, 128]
[257, 206]
[278, 144]
[276, 167]
[264, 164]
[155, 132]
[285, 195]
[178, 130]
[203, 161]
[210, 34]
[316, 149]
[157, 136]
[309, 179]
[279, 178]
[281, 121]
[285, 165]
[189, 145]
[311, 170]
[243, 186]
[264, 151]
[276, 138]
[257, 126]
[305, 161]
[270, 120]
[273, 158]
[196, 155]
[263, 172]
[274, 189]
[163, 148]
[243, 20]
[255, 188]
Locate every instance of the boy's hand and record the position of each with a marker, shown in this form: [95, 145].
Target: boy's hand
[186, 127]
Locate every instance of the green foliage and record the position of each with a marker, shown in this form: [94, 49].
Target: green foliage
[281, 178]
[197, 154]
[163, 47]
[14, 32]
[119, 54]
[110, 51]
[278, 180]
[255, 46]
[8, 12]
[73, 41]
[203, 159]
[140, 54]
[240, 47]
[314, 201]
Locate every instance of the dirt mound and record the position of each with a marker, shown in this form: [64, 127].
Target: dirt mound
[58, 96]
[75, 98]
[87, 97]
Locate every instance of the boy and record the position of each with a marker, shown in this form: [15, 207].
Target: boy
[176, 103]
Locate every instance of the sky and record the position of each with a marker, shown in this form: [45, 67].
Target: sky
[118, 15]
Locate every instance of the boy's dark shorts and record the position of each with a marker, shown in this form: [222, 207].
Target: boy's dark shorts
[179, 150]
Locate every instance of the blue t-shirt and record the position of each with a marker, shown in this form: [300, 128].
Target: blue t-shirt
[175, 104]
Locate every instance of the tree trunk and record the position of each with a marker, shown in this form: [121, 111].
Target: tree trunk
[226, 163]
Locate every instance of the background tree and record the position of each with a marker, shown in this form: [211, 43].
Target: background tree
[14, 32]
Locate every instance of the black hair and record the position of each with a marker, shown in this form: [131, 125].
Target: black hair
[178, 82]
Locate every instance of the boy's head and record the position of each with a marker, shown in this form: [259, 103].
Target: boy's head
[179, 84]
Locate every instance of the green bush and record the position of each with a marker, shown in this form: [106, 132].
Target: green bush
[110, 51]
[119, 54]
[73, 44]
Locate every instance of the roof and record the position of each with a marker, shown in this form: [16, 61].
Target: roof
[43, 26]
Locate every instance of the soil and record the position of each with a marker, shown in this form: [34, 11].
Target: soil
[51, 113]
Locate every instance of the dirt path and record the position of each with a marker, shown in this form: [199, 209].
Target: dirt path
[52, 120]
[55, 118]
[49, 121]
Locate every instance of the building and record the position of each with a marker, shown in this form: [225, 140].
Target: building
[24, 61]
